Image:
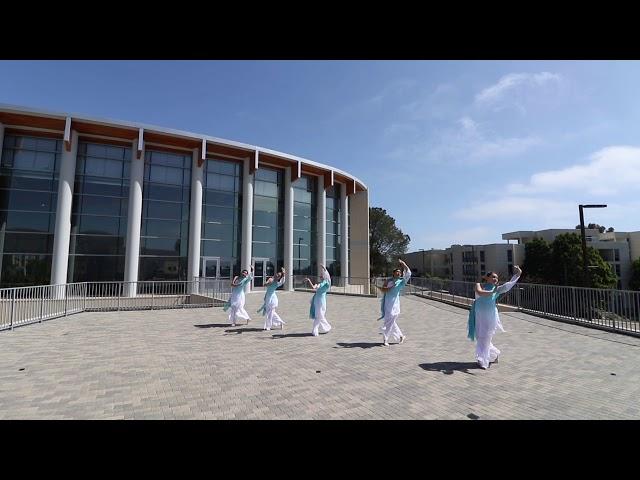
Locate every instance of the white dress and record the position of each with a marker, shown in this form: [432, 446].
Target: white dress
[237, 301]
[272, 319]
[319, 302]
[487, 323]
[391, 299]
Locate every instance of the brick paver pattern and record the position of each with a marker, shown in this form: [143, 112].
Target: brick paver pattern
[191, 364]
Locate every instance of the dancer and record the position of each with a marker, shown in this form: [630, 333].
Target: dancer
[270, 304]
[236, 302]
[319, 303]
[483, 316]
[390, 304]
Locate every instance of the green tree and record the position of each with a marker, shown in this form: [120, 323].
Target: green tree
[537, 261]
[567, 264]
[634, 283]
[387, 242]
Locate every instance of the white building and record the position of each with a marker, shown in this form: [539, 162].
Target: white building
[618, 249]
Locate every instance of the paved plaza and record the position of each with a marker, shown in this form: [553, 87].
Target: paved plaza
[191, 364]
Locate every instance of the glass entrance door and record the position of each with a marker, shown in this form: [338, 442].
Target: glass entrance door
[210, 267]
[263, 268]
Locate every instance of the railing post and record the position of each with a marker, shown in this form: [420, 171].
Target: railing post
[13, 304]
[153, 290]
[613, 314]
[42, 304]
[519, 299]
[65, 299]
[575, 304]
[544, 299]
[119, 294]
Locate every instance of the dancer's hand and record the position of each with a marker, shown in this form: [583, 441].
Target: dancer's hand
[517, 269]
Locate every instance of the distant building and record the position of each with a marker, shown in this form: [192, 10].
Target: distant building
[467, 262]
[618, 249]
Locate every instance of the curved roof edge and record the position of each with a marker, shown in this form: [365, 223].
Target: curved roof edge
[17, 109]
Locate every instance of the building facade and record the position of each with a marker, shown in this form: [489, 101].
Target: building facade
[467, 262]
[618, 249]
[85, 199]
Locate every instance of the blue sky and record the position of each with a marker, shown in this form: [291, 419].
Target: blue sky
[455, 151]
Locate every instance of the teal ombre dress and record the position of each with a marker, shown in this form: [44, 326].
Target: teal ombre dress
[236, 302]
[390, 307]
[484, 321]
[270, 304]
[318, 306]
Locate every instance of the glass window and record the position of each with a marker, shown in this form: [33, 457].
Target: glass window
[267, 174]
[266, 250]
[161, 228]
[168, 210]
[99, 225]
[96, 244]
[28, 183]
[165, 215]
[302, 251]
[262, 234]
[164, 192]
[22, 270]
[87, 268]
[223, 166]
[266, 189]
[95, 205]
[19, 222]
[27, 243]
[163, 268]
[220, 214]
[25, 200]
[221, 182]
[303, 237]
[222, 199]
[219, 231]
[302, 195]
[265, 204]
[302, 223]
[302, 209]
[160, 246]
[267, 219]
[214, 248]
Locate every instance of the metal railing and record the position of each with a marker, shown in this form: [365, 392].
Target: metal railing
[616, 310]
[25, 305]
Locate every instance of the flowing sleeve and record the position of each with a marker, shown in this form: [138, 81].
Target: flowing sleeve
[407, 275]
[281, 281]
[326, 276]
[508, 286]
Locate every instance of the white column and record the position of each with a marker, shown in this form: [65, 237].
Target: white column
[344, 228]
[132, 255]
[247, 218]
[321, 225]
[60, 258]
[195, 218]
[288, 229]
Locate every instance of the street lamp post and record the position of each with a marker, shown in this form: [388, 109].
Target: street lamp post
[585, 265]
